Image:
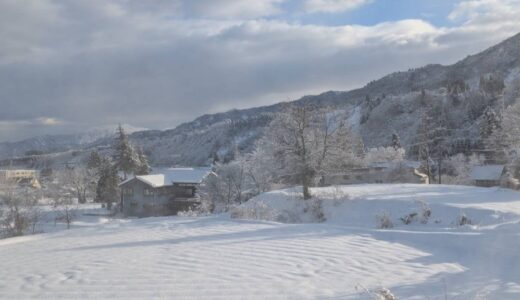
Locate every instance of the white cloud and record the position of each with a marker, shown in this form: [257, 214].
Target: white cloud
[232, 8]
[93, 62]
[332, 6]
[48, 121]
[472, 10]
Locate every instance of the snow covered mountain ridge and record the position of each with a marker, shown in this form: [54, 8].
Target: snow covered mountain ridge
[391, 104]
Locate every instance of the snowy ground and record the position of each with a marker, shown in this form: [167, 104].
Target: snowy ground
[85, 215]
[223, 258]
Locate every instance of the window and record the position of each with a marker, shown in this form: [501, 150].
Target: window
[184, 192]
[148, 192]
[128, 191]
[165, 191]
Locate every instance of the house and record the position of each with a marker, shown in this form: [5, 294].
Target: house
[487, 175]
[21, 176]
[164, 193]
[379, 172]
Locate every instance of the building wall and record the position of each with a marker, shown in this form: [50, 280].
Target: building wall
[487, 183]
[374, 175]
[148, 201]
[18, 174]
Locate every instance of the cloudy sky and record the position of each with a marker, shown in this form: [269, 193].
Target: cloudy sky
[70, 65]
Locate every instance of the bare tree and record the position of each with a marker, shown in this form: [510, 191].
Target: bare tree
[17, 209]
[258, 168]
[307, 142]
[65, 208]
[81, 180]
[226, 186]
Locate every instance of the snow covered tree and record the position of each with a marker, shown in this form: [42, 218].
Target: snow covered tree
[306, 142]
[226, 187]
[492, 84]
[493, 137]
[125, 156]
[79, 179]
[18, 209]
[432, 141]
[491, 122]
[396, 141]
[143, 167]
[511, 126]
[65, 208]
[424, 144]
[258, 167]
[459, 168]
[107, 190]
[384, 154]
[94, 160]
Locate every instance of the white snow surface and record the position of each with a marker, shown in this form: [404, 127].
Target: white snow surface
[218, 257]
[488, 172]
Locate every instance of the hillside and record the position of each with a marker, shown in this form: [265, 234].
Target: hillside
[342, 258]
[393, 103]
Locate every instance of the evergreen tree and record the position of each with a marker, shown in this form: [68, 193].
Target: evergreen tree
[144, 167]
[396, 141]
[432, 142]
[491, 123]
[94, 160]
[492, 84]
[107, 187]
[493, 137]
[423, 144]
[126, 158]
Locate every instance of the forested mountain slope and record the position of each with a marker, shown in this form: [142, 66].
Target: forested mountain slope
[456, 95]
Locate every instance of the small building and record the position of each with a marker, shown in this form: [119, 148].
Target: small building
[379, 172]
[21, 176]
[487, 175]
[164, 193]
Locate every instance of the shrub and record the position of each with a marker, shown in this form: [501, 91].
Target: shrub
[315, 208]
[255, 211]
[424, 214]
[384, 221]
[463, 220]
[379, 294]
[409, 218]
[384, 294]
[425, 211]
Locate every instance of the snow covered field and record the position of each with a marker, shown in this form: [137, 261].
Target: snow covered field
[223, 258]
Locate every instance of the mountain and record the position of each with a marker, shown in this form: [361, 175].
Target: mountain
[457, 93]
[60, 143]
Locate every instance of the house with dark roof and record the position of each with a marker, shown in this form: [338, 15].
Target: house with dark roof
[165, 192]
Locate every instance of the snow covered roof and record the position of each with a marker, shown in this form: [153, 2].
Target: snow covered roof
[169, 176]
[487, 172]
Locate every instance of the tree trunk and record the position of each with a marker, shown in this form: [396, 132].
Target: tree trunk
[306, 184]
[440, 170]
[306, 193]
[81, 196]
